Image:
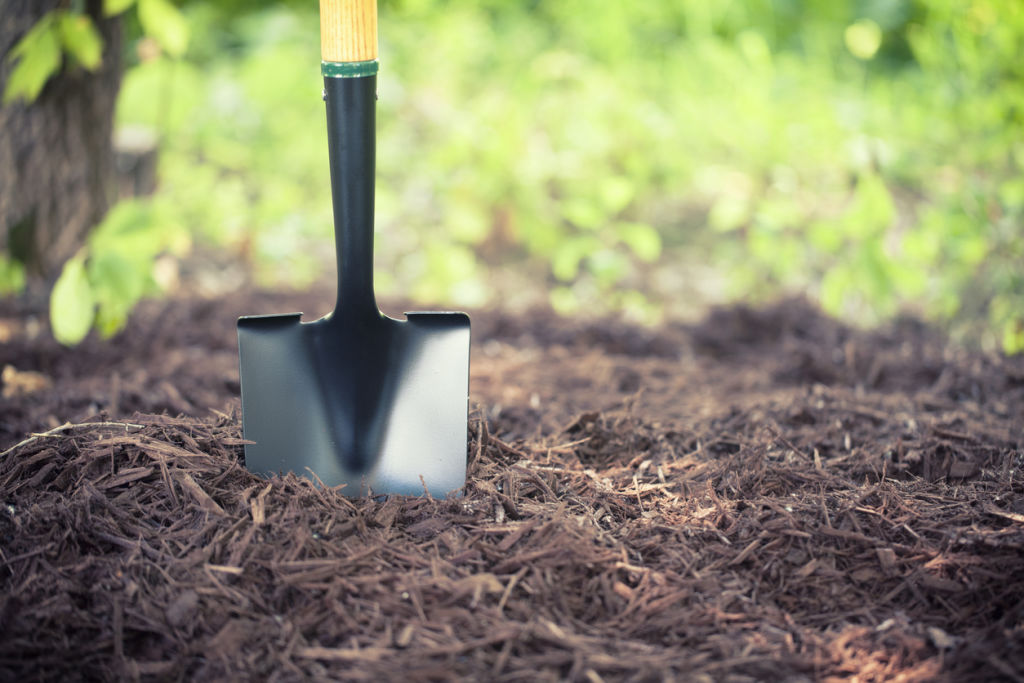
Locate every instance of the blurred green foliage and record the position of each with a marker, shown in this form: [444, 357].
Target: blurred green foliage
[40, 53]
[867, 152]
[100, 285]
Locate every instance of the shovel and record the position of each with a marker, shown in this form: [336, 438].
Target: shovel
[356, 397]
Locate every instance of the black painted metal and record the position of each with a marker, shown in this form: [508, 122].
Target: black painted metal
[351, 141]
[357, 397]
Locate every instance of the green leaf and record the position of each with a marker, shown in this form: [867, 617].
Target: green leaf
[12, 275]
[616, 193]
[165, 24]
[1013, 335]
[80, 39]
[607, 266]
[583, 213]
[113, 307]
[872, 268]
[835, 287]
[114, 7]
[872, 210]
[111, 318]
[72, 304]
[38, 55]
[1011, 192]
[863, 38]
[642, 239]
[728, 213]
[565, 261]
[118, 282]
[753, 46]
[826, 236]
[564, 301]
[467, 223]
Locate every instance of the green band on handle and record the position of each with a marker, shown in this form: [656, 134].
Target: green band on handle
[349, 69]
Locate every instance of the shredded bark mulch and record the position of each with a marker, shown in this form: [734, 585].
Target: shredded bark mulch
[766, 495]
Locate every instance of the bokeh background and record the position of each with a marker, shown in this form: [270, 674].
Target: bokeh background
[640, 159]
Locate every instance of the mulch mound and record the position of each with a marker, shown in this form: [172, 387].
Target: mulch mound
[767, 495]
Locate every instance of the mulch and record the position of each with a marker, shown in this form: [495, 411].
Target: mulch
[764, 495]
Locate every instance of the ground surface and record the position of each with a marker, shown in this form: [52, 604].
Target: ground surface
[764, 495]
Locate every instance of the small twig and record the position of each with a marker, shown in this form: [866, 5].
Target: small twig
[951, 434]
[511, 450]
[67, 426]
[8, 561]
[483, 437]
[789, 444]
[568, 447]
[426, 491]
[511, 584]
[1012, 516]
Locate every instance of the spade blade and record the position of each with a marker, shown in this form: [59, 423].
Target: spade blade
[377, 404]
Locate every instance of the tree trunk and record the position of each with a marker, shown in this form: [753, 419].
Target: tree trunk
[56, 157]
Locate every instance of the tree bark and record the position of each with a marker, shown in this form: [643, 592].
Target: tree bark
[57, 172]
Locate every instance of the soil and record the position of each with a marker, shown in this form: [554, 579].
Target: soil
[764, 495]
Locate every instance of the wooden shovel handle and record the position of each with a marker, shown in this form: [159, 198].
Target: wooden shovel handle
[348, 30]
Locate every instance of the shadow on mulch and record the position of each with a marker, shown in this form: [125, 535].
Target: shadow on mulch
[768, 495]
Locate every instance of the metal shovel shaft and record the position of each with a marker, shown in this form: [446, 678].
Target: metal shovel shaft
[351, 142]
